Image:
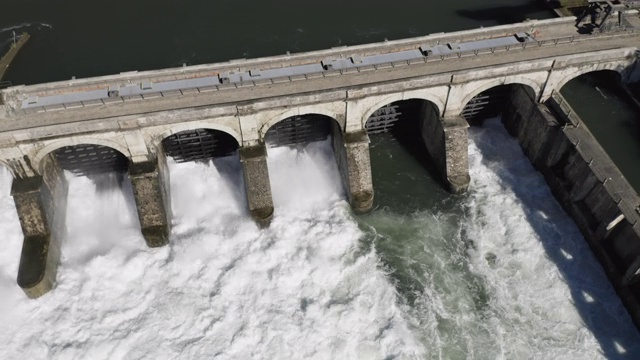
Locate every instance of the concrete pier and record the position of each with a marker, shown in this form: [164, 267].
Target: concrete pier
[257, 184]
[352, 155]
[587, 184]
[447, 142]
[152, 201]
[41, 205]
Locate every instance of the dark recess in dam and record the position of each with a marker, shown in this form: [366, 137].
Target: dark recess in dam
[199, 144]
[405, 121]
[299, 130]
[395, 117]
[487, 104]
[90, 159]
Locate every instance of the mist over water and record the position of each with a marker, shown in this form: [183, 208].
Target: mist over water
[499, 273]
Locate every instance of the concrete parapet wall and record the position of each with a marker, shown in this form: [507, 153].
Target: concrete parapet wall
[447, 143]
[587, 184]
[41, 206]
[152, 202]
[257, 183]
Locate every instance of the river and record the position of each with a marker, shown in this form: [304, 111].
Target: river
[498, 273]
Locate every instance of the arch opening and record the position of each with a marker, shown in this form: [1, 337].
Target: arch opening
[595, 78]
[199, 144]
[398, 117]
[407, 131]
[490, 103]
[300, 130]
[90, 159]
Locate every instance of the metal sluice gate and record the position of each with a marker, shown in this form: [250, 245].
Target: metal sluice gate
[485, 105]
[299, 130]
[397, 116]
[383, 119]
[89, 159]
[199, 144]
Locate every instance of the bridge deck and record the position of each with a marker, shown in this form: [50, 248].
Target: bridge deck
[570, 44]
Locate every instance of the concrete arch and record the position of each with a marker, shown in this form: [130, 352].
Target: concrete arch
[36, 159]
[300, 112]
[589, 69]
[499, 82]
[156, 140]
[391, 98]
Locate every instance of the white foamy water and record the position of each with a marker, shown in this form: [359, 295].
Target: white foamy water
[223, 288]
[508, 276]
[547, 296]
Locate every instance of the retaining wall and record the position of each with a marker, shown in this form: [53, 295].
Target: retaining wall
[586, 182]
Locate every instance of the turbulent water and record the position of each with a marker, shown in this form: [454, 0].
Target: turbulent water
[500, 272]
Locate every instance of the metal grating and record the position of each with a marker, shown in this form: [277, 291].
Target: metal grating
[299, 130]
[199, 144]
[383, 119]
[485, 105]
[88, 159]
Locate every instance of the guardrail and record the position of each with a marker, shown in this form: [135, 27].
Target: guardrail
[327, 73]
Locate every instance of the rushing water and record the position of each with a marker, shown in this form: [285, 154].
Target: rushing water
[499, 273]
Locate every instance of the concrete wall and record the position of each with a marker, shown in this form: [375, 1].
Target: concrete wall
[257, 183]
[587, 184]
[352, 155]
[41, 206]
[447, 143]
[152, 202]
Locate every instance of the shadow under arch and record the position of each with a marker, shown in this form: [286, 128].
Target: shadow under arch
[199, 144]
[40, 155]
[88, 159]
[407, 123]
[614, 73]
[301, 129]
[491, 102]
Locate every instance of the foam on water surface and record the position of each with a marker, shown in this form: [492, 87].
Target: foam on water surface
[499, 273]
[223, 288]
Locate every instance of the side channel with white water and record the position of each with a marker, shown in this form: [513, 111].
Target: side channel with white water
[500, 272]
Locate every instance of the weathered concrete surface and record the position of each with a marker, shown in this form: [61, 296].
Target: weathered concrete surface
[41, 205]
[152, 202]
[447, 143]
[587, 184]
[352, 155]
[257, 184]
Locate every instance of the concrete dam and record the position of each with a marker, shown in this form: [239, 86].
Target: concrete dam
[432, 86]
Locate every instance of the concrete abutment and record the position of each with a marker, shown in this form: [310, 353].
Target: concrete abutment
[352, 155]
[447, 142]
[150, 182]
[41, 205]
[257, 184]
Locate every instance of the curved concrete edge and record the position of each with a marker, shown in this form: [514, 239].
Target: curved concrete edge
[362, 201]
[156, 235]
[262, 216]
[459, 184]
[38, 266]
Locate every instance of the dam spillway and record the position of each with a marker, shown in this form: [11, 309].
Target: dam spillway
[249, 119]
